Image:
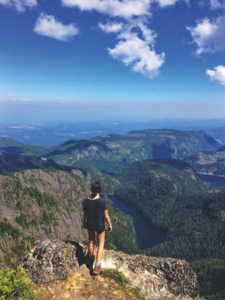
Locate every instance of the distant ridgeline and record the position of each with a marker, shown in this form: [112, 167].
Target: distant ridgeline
[47, 202]
[113, 153]
[208, 162]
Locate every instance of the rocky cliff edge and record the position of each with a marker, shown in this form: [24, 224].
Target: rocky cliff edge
[62, 270]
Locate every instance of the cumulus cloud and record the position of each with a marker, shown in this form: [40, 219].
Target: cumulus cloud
[209, 35]
[120, 8]
[138, 53]
[133, 50]
[217, 75]
[111, 27]
[20, 5]
[124, 8]
[50, 27]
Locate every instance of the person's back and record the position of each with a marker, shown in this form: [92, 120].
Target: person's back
[95, 215]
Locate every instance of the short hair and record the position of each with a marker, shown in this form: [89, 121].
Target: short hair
[96, 188]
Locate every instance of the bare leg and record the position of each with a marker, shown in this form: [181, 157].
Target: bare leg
[91, 235]
[101, 242]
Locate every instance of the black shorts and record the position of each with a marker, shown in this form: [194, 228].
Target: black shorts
[99, 230]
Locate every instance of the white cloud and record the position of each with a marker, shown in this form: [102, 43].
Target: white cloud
[133, 50]
[218, 75]
[111, 27]
[163, 3]
[20, 5]
[120, 8]
[209, 35]
[123, 8]
[50, 27]
[138, 53]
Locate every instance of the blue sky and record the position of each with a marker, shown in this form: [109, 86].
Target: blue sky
[143, 58]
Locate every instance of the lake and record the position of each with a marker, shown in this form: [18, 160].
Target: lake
[147, 236]
[214, 180]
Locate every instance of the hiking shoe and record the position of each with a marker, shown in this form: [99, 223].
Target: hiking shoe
[97, 270]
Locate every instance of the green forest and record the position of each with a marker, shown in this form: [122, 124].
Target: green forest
[193, 220]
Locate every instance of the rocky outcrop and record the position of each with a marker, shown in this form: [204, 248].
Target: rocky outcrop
[157, 278]
[50, 259]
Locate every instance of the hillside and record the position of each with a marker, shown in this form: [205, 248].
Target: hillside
[211, 278]
[170, 195]
[207, 162]
[217, 133]
[113, 153]
[15, 162]
[9, 145]
[40, 204]
[221, 149]
[154, 172]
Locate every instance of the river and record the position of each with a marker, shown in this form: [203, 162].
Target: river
[147, 236]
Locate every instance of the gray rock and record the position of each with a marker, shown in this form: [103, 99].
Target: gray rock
[50, 259]
[158, 278]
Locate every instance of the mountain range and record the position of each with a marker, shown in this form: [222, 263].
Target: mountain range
[42, 190]
[112, 153]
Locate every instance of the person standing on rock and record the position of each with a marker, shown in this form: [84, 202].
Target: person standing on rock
[95, 214]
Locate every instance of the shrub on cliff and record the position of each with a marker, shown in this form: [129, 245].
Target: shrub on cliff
[13, 283]
[116, 275]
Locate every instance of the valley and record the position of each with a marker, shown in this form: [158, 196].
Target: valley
[149, 173]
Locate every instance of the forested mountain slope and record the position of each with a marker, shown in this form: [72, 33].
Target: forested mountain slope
[15, 162]
[207, 162]
[211, 278]
[170, 194]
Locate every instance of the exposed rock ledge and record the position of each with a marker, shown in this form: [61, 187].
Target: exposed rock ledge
[157, 278]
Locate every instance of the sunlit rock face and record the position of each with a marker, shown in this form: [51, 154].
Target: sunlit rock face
[157, 278]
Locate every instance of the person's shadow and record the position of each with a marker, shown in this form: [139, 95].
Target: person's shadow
[81, 257]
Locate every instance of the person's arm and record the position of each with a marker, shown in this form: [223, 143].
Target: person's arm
[106, 214]
[84, 218]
